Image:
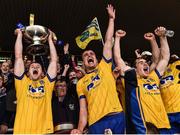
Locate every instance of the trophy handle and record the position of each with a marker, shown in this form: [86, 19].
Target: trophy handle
[43, 39]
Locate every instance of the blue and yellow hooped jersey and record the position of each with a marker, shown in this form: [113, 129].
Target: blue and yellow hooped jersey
[33, 113]
[99, 89]
[170, 87]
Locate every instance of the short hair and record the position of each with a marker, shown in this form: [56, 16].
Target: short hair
[134, 63]
[148, 58]
[148, 62]
[173, 58]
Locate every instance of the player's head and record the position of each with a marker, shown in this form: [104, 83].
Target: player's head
[35, 71]
[142, 67]
[89, 60]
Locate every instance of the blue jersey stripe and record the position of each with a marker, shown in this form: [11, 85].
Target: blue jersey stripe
[82, 96]
[158, 74]
[137, 112]
[106, 60]
[19, 77]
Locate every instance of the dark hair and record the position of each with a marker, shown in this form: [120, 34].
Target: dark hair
[173, 59]
[71, 69]
[62, 79]
[148, 62]
[134, 63]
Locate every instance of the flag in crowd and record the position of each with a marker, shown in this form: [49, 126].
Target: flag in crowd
[92, 32]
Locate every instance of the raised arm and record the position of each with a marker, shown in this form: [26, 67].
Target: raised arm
[155, 49]
[117, 52]
[19, 63]
[164, 50]
[52, 68]
[107, 50]
[73, 63]
[66, 68]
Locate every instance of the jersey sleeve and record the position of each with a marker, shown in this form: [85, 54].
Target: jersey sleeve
[49, 83]
[19, 84]
[79, 89]
[155, 75]
[106, 65]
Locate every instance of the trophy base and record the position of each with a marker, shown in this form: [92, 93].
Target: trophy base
[37, 49]
[64, 128]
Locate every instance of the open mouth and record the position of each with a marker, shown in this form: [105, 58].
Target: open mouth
[35, 72]
[90, 61]
[73, 78]
[146, 69]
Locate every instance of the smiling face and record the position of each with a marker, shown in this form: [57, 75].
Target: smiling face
[35, 71]
[5, 67]
[72, 75]
[89, 60]
[142, 67]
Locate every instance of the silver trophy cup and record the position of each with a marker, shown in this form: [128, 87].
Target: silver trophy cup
[36, 36]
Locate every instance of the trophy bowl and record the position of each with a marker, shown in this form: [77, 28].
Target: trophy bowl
[36, 36]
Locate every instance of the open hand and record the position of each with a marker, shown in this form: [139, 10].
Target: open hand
[111, 11]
